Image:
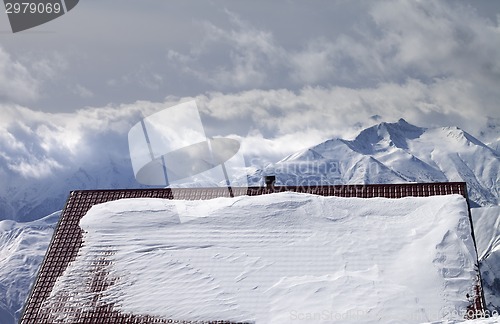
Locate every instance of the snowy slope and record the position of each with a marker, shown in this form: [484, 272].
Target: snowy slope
[22, 248]
[27, 199]
[487, 227]
[397, 152]
[491, 133]
[279, 258]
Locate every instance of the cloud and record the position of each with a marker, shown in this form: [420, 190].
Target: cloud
[27, 78]
[82, 91]
[36, 144]
[143, 76]
[433, 42]
[335, 111]
[48, 67]
[270, 123]
[242, 56]
[16, 81]
[36, 168]
[354, 45]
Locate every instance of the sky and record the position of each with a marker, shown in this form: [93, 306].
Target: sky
[279, 76]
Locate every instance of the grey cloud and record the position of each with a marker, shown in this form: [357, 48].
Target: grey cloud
[328, 69]
[398, 40]
[240, 57]
[17, 82]
[82, 91]
[153, 49]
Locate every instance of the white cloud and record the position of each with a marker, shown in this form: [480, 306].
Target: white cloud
[259, 149]
[36, 144]
[438, 39]
[245, 55]
[355, 45]
[48, 67]
[314, 64]
[25, 78]
[36, 168]
[16, 81]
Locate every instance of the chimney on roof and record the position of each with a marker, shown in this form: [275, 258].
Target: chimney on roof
[270, 180]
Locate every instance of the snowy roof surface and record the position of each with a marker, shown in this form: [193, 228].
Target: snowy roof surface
[252, 258]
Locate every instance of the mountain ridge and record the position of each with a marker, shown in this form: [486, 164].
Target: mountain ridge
[397, 152]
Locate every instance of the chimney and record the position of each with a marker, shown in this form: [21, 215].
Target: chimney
[270, 180]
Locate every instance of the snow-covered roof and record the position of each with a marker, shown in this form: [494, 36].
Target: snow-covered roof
[422, 244]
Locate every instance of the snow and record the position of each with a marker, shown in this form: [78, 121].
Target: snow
[22, 248]
[487, 228]
[487, 223]
[279, 258]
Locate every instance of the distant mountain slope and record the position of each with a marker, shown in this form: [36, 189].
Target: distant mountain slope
[27, 199]
[491, 133]
[396, 152]
[22, 248]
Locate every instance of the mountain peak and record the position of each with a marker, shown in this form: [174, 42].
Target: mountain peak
[462, 136]
[399, 152]
[402, 127]
[384, 135]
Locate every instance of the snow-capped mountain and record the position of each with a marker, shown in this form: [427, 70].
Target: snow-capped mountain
[29, 199]
[397, 152]
[491, 134]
